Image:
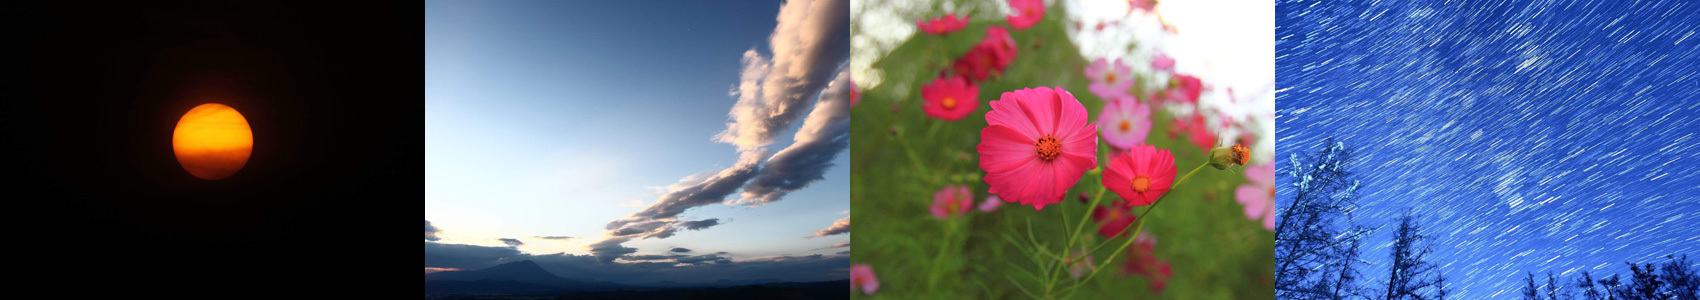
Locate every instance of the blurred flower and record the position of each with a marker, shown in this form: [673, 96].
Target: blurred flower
[1142, 259]
[1141, 175]
[1036, 145]
[855, 94]
[862, 275]
[1225, 157]
[947, 24]
[1196, 130]
[1125, 122]
[1113, 220]
[1027, 13]
[1258, 196]
[993, 53]
[1185, 89]
[1109, 81]
[1147, 5]
[952, 201]
[991, 204]
[1163, 62]
[1077, 267]
[950, 98]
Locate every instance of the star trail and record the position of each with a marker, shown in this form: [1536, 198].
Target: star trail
[1525, 136]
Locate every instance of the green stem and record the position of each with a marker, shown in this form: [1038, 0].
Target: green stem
[1072, 236]
[914, 158]
[1136, 230]
[932, 277]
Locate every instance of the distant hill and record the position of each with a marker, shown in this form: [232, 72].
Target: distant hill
[515, 277]
[822, 290]
[526, 277]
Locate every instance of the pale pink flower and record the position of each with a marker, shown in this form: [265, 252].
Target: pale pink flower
[1258, 196]
[1125, 122]
[1109, 81]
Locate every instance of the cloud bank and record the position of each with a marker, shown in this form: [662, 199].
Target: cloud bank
[644, 269]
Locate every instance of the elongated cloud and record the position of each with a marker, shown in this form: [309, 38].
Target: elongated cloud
[809, 44]
[511, 242]
[841, 226]
[554, 237]
[699, 224]
[811, 40]
[825, 133]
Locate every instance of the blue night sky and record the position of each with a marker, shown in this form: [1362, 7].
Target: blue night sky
[553, 118]
[1531, 136]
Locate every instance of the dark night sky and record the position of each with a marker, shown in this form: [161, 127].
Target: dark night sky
[1543, 136]
[333, 97]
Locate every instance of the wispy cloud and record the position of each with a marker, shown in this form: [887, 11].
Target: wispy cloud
[511, 242]
[554, 237]
[825, 133]
[809, 45]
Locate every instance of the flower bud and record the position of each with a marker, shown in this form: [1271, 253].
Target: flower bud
[1237, 155]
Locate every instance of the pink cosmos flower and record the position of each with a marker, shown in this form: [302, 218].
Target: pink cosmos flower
[1142, 259]
[991, 204]
[950, 98]
[1113, 220]
[1141, 175]
[946, 24]
[1036, 145]
[1196, 129]
[1258, 196]
[1163, 62]
[1125, 122]
[862, 275]
[1109, 81]
[1027, 13]
[952, 201]
[992, 54]
[1185, 89]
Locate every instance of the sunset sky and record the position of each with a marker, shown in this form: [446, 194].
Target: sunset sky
[553, 119]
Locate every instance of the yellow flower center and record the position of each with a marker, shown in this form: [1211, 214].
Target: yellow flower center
[1141, 183]
[948, 102]
[1124, 126]
[1111, 77]
[1048, 147]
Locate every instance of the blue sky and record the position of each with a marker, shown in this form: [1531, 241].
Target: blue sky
[1543, 136]
[553, 118]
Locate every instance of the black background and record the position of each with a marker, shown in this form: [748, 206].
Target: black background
[100, 206]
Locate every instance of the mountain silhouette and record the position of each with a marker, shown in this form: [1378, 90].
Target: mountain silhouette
[514, 277]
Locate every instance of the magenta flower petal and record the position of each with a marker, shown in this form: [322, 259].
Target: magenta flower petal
[1038, 143]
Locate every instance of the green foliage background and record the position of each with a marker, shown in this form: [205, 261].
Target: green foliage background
[1215, 251]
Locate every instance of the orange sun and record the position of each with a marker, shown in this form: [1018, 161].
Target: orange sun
[212, 141]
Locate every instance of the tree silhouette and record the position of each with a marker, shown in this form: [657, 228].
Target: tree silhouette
[1553, 288]
[1643, 283]
[1411, 273]
[1586, 285]
[1612, 287]
[1315, 255]
[1440, 287]
[1681, 278]
[1530, 292]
